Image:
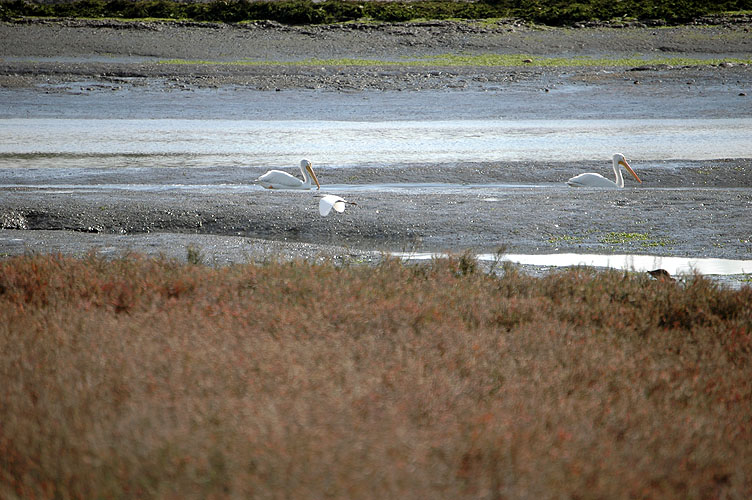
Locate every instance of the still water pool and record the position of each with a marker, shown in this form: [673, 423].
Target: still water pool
[181, 143]
[628, 262]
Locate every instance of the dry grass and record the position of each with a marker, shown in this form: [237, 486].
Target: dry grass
[142, 378]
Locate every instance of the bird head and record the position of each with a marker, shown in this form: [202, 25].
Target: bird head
[621, 160]
[306, 166]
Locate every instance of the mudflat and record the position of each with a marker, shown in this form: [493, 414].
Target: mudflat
[701, 209]
[64, 50]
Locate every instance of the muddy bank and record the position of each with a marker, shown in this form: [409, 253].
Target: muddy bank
[115, 52]
[50, 55]
[384, 41]
[699, 210]
[707, 218]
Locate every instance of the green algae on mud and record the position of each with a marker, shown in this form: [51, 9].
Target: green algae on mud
[483, 60]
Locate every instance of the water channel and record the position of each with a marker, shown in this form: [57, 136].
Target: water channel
[67, 132]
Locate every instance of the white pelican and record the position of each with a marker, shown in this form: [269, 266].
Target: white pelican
[276, 179]
[333, 201]
[597, 180]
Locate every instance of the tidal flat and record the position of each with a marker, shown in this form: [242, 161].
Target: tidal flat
[105, 143]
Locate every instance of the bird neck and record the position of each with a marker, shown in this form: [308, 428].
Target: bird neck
[306, 179]
[617, 173]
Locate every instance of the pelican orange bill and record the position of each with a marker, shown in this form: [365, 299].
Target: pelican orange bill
[318, 186]
[629, 169]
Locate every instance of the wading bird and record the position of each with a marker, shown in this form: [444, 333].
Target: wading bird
[333, 201]
[597, 180]
[276, 179]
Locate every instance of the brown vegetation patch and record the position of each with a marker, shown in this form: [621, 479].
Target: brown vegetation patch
[151, 378]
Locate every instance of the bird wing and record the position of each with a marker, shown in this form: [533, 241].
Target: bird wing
[590, 180]
[278, 179]
[331, 201]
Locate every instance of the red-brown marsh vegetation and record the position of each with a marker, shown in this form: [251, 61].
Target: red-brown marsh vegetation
[149, 378]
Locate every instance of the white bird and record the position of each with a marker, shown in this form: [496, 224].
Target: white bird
[276, 179]
[333, 201]
[597, 180]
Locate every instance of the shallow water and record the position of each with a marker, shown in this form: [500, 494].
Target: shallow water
[179, 143]
[90, 124]
[118, 141]
[487, 192]
[628, 262]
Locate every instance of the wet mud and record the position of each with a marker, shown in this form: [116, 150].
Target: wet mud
[701, 210]
[114, 52]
